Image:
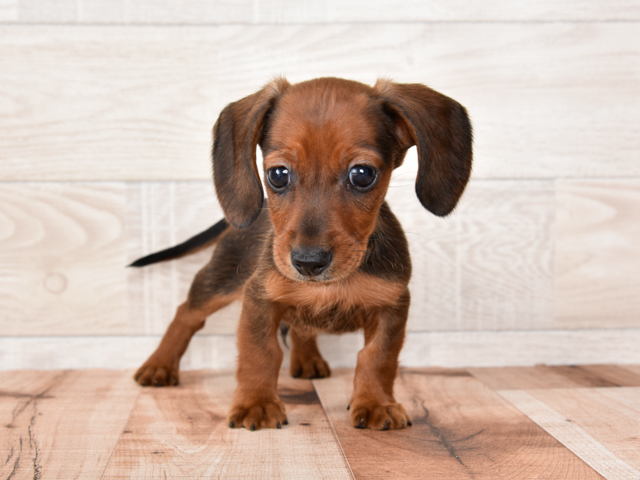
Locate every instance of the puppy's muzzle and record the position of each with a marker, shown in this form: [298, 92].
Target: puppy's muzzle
[311, 261]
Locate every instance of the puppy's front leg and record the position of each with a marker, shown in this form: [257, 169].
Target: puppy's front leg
[372, 404]
[255, 401]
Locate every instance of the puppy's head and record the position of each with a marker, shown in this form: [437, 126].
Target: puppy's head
[329, 148]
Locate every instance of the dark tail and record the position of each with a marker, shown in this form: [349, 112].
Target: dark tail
[189, 246]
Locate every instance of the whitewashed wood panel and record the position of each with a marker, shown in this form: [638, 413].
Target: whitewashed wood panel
[421, 349]
[555, 347]
[62, 253]
[160, 215]
[64, 247]
[8, 10]
[489, 265]
[113, 103]
[597, 257]
[326, 11]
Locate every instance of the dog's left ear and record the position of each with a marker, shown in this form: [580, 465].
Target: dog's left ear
[441, 130]
[236, 134]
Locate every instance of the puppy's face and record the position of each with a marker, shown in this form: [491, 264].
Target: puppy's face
[329, 151]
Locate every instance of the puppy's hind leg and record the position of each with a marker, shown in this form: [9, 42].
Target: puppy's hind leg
[162, 367]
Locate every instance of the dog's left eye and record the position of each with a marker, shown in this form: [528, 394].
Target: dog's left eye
[362, 176]
[278, 177]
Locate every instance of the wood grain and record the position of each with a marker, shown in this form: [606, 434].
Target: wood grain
[632, 368]
[461, 430]
[160, 215]
[182, 433]
[327, 11]
[8, 10]
[447, 349]
[526, 348]
[615, 374]
[100, 424]
[62, 258]
[64, 248]
[597, 255]
[629, 397]
[57, 352]
[543, 376]
[614, 424]
[62, 424]
[600, 432]
[519, 378]
[131, 103]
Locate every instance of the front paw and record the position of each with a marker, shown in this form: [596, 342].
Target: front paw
[257, 415]
[157, 372]
[379, 416]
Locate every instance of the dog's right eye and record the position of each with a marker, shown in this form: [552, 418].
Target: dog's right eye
[278, 178]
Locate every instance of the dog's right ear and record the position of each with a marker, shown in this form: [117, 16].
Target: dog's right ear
[236, 135]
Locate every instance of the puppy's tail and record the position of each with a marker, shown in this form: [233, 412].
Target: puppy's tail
[195, 242]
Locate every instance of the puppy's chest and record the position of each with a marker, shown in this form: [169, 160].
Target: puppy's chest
[333, 319]
[336, 307]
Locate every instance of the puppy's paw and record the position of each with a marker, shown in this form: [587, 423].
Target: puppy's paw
[266, 414]
[379, 416]
[309, 367]
[157, 373]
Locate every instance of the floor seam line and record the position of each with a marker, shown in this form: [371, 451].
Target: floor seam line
[335, 434]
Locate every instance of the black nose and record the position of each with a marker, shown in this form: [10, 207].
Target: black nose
[310, 261]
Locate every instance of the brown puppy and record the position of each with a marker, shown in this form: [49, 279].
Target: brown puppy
[327, 255]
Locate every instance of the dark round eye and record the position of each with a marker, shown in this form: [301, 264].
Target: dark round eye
[278, 177]
[362, 176]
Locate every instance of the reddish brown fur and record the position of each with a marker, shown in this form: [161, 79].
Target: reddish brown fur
[318, 131]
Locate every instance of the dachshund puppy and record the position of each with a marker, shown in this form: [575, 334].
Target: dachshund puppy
[326, 254]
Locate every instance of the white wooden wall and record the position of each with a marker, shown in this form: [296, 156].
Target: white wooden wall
[106, 109]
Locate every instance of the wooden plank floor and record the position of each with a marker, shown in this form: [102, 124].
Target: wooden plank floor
[578, 422]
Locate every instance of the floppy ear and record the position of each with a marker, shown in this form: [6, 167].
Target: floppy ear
[235, 136]
[441, 130]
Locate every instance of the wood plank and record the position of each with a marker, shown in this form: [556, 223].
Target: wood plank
[57, 352]
[8, 10]
[489, 265]
[160, 215]
[601, 432]
[518, 378]
[327, 11]
[597, 375]
[543, 376]
[450, 349]
[461, 430]
[596, 253]
[62, 424]
[63, 249]
[454, 271]
[21, 396]
[132, 103]
[72, 241]
[62, 258]
[182, 433]
[630, 397]
[632, 368]
[613, 373]
[510, 348]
